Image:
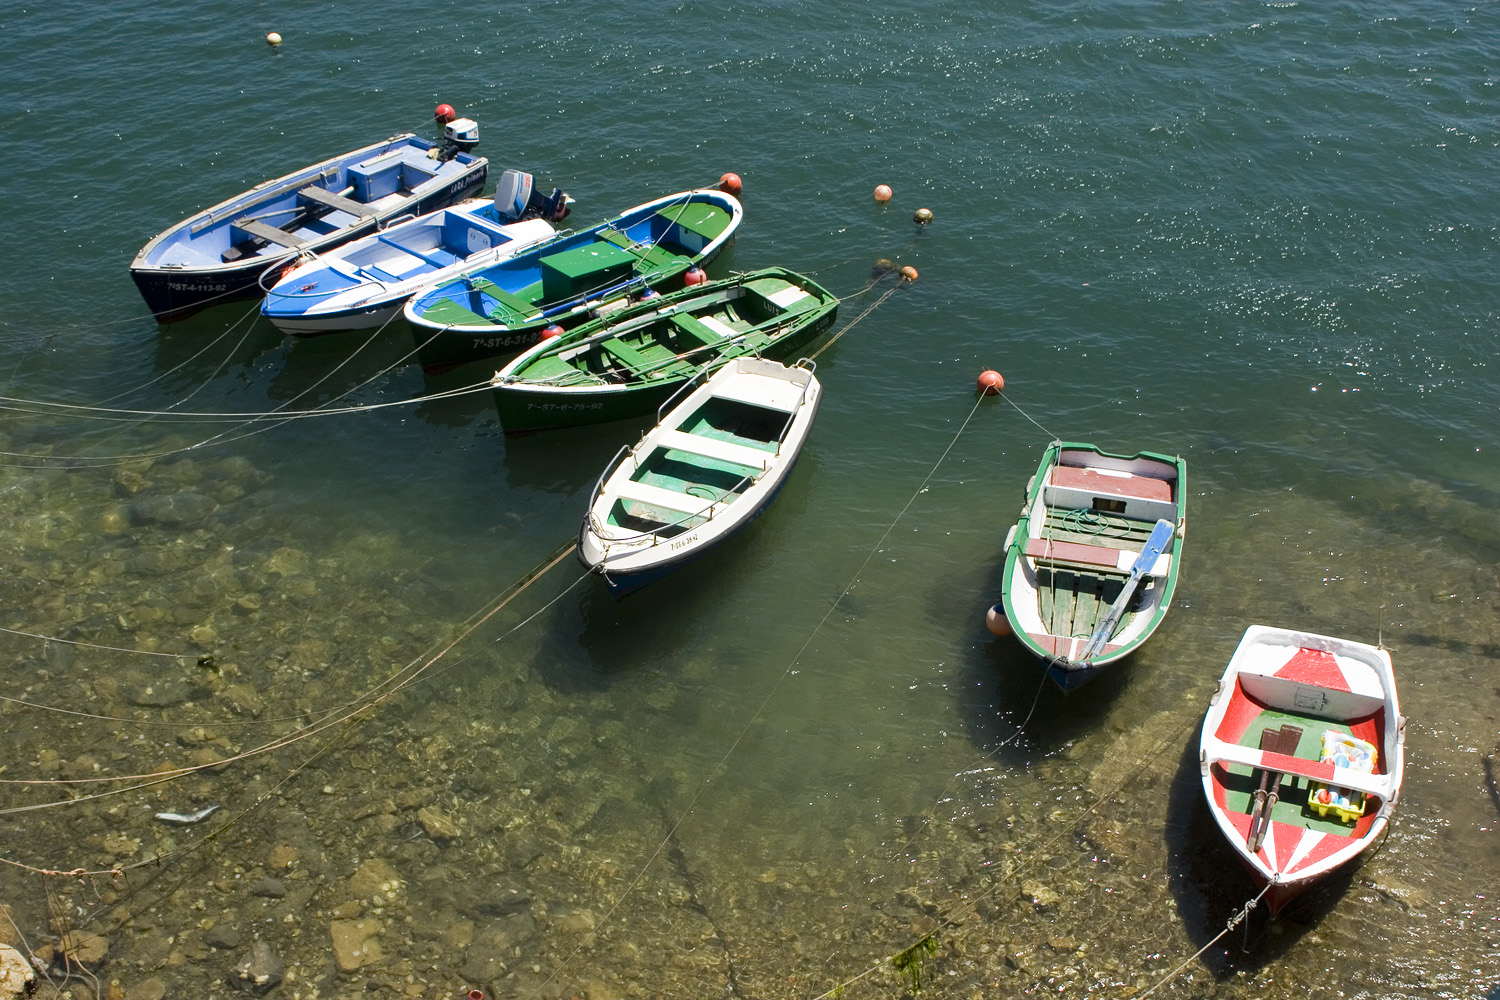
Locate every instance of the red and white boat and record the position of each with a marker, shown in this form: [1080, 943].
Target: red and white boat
[1302, 753]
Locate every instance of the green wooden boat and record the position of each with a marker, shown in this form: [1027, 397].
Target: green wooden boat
[629, 363]
[1091, 566]
[503, 306]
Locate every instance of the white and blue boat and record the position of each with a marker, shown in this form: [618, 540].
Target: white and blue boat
[363, 283]
[225, 253]
[708, 468]
[500, 308]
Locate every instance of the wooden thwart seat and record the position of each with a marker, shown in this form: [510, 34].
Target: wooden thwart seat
[1221, 752]
[329, 199]
[725, 451]
[658, 497]
[269, 233]
[1098, 557]
[1093, 481]
[1065, 647]
[515, 303]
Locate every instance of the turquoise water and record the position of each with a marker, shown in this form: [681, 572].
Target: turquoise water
[1259, 235]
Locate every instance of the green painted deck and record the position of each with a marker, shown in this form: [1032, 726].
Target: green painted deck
[1291, 806]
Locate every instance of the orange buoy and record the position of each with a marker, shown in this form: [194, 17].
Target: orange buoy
[730, 183]
[991, 382]
[996, 622]
[444, 113]
[694, 276]
[551, 330]
[922, 216]
[909, 273]
[882, 193]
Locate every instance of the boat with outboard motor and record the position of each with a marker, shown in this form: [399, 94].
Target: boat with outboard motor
[627, 363]
[503, 307]
[363, 283]
[1091, 565]
[224, 253]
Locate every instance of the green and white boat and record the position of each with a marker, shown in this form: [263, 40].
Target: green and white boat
[503, 306]
[1091, 566]
[629, 363]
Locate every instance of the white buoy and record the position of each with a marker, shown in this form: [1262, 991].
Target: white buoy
[273, 39]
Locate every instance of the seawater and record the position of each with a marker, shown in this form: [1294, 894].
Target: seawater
[1260, 235]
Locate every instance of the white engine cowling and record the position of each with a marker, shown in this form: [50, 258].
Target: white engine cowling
[513, 194]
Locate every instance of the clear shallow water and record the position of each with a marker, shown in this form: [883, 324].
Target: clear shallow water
[1258, 235]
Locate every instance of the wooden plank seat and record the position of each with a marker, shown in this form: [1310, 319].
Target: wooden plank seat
[1104, 484]
[513, 302]
[330, 199]
[1099, 557]
[655, 496]
[435, 256]
[1067, 647]
[695, 328]
[1218, 751]
[269, 233]
[724, 451]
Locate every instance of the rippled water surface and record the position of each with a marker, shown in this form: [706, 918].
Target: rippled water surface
[1260, 235]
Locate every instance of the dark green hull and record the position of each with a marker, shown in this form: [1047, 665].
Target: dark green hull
[628, 364]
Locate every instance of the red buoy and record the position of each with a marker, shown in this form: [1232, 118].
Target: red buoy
[694, 276]
[882, 193]
[991, 382]
[551, 330]
[909, 273]
[996, 622]
[444, 113]
[730, 183]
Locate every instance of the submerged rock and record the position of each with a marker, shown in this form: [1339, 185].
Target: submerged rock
[354, 943]
[172, 510]
[17, 979]
[259, 971]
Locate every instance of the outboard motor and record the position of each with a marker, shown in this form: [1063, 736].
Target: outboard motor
[515, 199]
[460, 135]
[513, 195]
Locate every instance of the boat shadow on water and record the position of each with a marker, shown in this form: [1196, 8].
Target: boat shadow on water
[1210, 885]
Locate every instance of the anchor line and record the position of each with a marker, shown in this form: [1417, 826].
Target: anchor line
[1234, 921]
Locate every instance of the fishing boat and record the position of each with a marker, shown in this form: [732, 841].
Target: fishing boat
[709, 467]
[628, 363]
[222, 254]
[503, 307]
[1302, 754]
[363, 283]
[1091, 565]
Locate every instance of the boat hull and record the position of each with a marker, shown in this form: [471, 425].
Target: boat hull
[364, 283]
[184, 268]
[1088, 577]
[708, 469]
[1285, 698]
[530, 396]
[503, 308]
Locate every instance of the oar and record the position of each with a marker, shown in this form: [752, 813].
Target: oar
[1161, 537]
[1283, 741]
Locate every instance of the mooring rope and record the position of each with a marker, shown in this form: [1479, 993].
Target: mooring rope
[1234, 922]
[863, 313]
[718, 767]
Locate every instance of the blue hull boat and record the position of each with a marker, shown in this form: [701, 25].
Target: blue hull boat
[237, 248]
[503, 307]
[363, 284]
